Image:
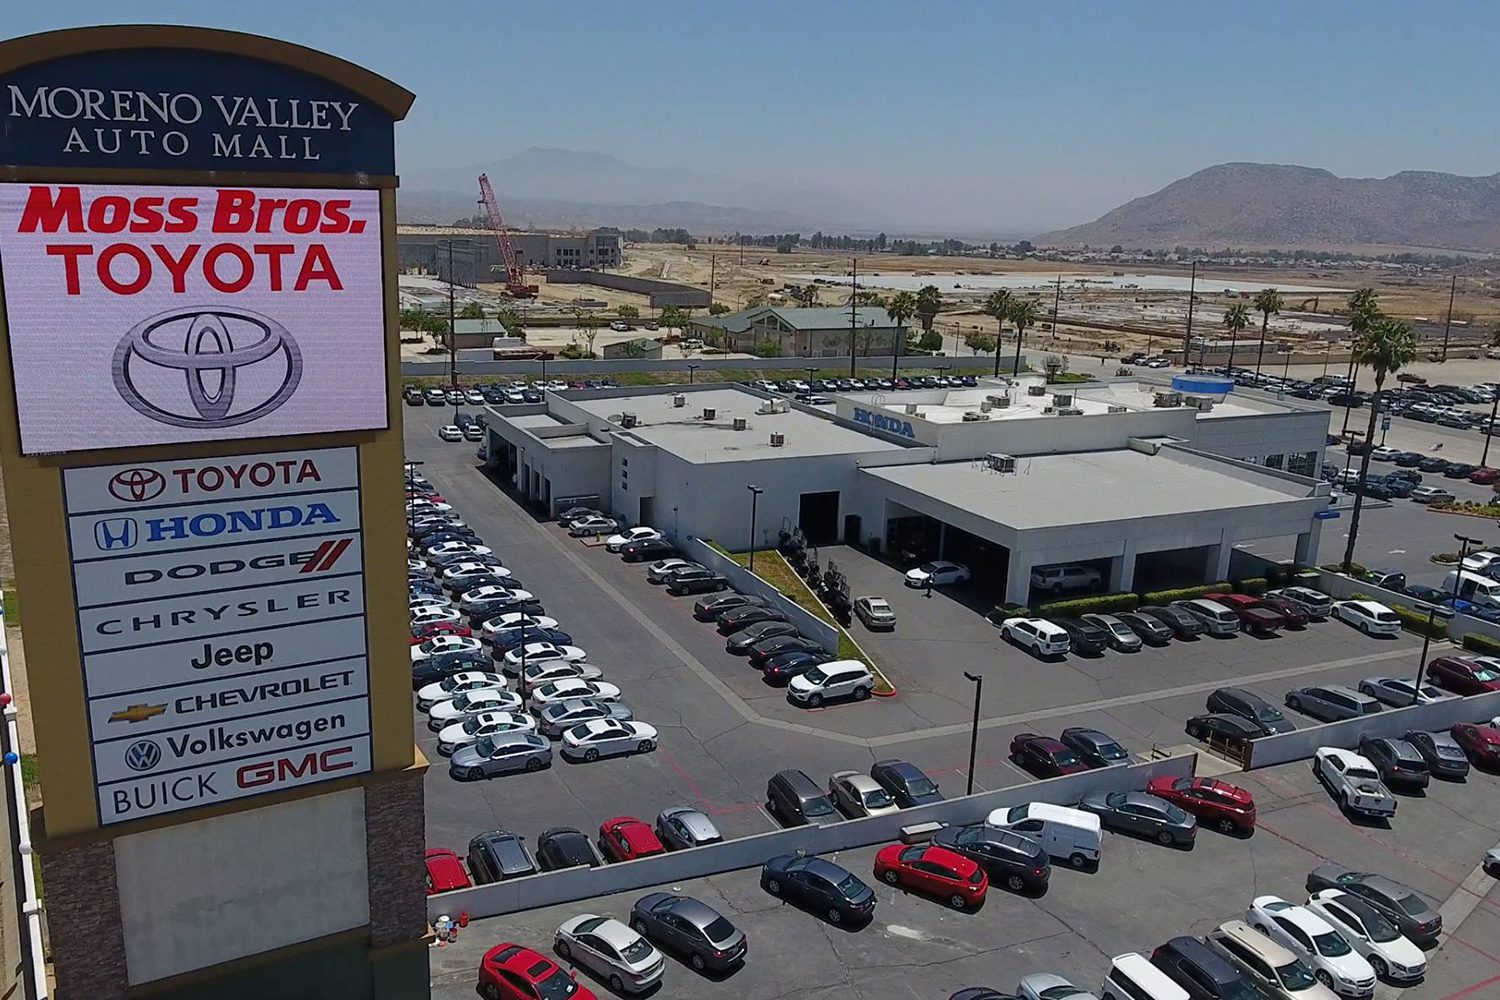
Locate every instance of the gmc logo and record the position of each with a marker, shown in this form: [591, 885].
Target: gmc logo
[268, 772]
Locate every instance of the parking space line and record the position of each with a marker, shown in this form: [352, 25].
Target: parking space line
[1456, 994]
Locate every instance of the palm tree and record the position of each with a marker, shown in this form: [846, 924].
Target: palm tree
[1387, 346]
[1267, 301]
[1236, 318]
[1364, 310]
[1023, 313]
[901, 308]
[997, 305]
[929, 300]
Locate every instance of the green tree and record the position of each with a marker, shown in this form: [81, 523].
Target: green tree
[1386, 347]
[868, 298]
[997, 306]
[1023, 313]
[718, 309]
[628, 312]
[805, 295]
[511, 320]
[1267, 301]
[767, 348]
[1364, 311]
[673, 318]
[471, 310]
[901, 308]
[929, 301]
[931, 341]
[634, 348]
[978, 341]
[1236, 318]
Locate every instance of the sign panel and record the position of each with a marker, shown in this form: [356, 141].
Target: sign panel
[221, 617]
[144, 315]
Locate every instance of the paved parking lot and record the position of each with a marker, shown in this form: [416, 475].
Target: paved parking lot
[917, 949]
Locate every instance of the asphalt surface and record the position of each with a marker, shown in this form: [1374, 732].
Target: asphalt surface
[915, 948]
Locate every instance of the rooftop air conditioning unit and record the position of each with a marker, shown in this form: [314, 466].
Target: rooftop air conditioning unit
[1036, 390]
[1069, 411]
[1002, 463]
[740, 423]
[778, 440]
[1048, 409]
[1205, 404]
[1062, 399]
[1116, 408]
[709, 413]
[985, 406]
[1169, 399]
[627, 420]
[678, 399]
[911, 409]
[974, 416]
[999, 402]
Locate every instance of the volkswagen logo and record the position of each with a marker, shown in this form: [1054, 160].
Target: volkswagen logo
[207, 367]
[142, 755]
[137, 485]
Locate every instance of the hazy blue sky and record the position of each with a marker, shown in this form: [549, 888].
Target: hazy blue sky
[1013, 115]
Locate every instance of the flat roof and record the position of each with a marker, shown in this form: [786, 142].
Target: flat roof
[1142, 396]
[534, 420]
[1050, 491]
[683, 431]
[948, 406]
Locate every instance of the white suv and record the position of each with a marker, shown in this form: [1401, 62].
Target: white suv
[1036, 634]
[1056, 579]
[1312, 939]
[1370, 617]
[839, 679]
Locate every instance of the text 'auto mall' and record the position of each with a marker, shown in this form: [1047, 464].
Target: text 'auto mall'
[202, 463]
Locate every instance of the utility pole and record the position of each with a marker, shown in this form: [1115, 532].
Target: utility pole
[1187, 338]
[1448, 323]
[713, 260]
[452, 330]
[1484, 455]
[853, 310]
[978, 681]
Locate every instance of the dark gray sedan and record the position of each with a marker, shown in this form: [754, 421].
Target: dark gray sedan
[709, 608]
[689, 927]
[740, 642]
[1097, 749]
[1445, 758]
[1412, 914]
[503, 753]
[1151, 631]
[1144, 815]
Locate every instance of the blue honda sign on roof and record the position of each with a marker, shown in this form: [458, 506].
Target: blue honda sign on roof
[1326, 515]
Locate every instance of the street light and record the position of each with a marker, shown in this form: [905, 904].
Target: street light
[1349, 451]
[978, 680]
[692, 370]
[755, 492]
[1494, 406]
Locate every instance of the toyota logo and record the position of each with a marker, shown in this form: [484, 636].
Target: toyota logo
[137, 485]
[142, 755]
[207, 367]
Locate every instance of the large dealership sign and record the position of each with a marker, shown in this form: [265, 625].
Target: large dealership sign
[174, 314]
[221, 614]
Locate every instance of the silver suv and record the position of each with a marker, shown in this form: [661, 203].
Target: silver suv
[1056, 579]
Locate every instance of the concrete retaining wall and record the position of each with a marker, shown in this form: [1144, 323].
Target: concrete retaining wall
[569, 369]
[1303, 743]
[749, 852]
[746, 582]
[1342, 587]
[661, 293]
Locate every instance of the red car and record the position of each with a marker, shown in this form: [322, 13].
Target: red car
[511, 972]
[933, 871]
[1485, 476]
[1481, 742]
[1295, 616]
[1044, 756]
[1228, 808]
[1254, 614]
[626, 838]
[421, 633]
[445, 871]
[1462, 675]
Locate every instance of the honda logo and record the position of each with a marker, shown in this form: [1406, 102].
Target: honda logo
[115, 533]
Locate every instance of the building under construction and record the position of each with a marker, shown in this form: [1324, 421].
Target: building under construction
[476, 257]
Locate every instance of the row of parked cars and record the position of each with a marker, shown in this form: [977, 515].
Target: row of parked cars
[496, 393]
[797, 386]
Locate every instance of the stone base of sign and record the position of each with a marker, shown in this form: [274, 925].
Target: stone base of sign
[83, 921]
[395, 839]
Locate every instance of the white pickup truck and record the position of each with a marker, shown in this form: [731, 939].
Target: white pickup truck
[1354, 781]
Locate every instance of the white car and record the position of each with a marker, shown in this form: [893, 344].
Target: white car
[1483, 563]
[588, 527]
[548, 671]
[838, 679]
[542, 652]
[1354, 781]
[1051, 986]
[455, 575]
[456, 684]
[1381, 453]
[415, 601]
[490, 592]
[658, 571]
[444, 644]
[457, 548]
[1390, 953]
[607, 738]
[1036, 634]
[615, 543]
[474, 397]
[1370, 617]
[572, 687]
[418, 567]
[611, 951]
[461, 734]
[434, 615]
[446, 713]
[450, 432]
[936, 574]
[420, 506]
[514, 619]
[1402, 691]
[1311, 938]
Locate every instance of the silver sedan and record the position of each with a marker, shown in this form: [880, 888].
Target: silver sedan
[611, 951]
[503, 753]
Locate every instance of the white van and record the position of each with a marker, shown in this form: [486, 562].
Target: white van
[1473, 587]
[1063, 832]
[1132, 977]
[1217, 618]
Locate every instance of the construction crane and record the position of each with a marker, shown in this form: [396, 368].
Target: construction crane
[515, 270]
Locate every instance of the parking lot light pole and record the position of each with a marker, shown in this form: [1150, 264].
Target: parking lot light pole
[692, 370]
[978, 680]
[1433, 613]
[1348, 452]
[1484, 455]
[411, 511]
[755, 492]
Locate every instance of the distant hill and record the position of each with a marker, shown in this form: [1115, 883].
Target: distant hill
[1263, 205]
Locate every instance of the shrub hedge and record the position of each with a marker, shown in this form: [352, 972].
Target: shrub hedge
[1184, 593]
[1416, 621]
[1356, 569]
[1100, 604]
[1254, 586]
[1478, 642]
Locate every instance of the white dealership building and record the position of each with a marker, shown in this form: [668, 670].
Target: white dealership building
[1154, 484]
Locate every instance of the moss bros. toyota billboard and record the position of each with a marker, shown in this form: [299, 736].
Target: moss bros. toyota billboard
[176, 314]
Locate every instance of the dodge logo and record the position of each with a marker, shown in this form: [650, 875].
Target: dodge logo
[137, 485]
[238, 366]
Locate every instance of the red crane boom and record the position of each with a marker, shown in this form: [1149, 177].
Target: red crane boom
[515, 270]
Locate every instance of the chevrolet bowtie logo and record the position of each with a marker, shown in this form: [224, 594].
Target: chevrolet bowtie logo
[138, 713]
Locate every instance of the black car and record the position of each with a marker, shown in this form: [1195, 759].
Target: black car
[820, 885]
[765, 649]
[1410, 475]
[499, 855]
[1182, 624]
[1399, 763]
[1444, 757]
[1152, 631]
[435, 668]
[564, 847]
[1009, 859]
[648, 550]
[1422, 592]
[739, 644]
[1433, 464]
[1398, 487]
[906, 783]
[1459, 470]
[1412, 914]
[447, 535]
[780, 669]
[684, 925]
[1202, 972]
[710, 608]
[735, 619]
[1251, 707]
[1409, 460]
[695, 581]
[1095, 748]
[507, 639]
[482, 611]
[1229, 729]
[1083, 636]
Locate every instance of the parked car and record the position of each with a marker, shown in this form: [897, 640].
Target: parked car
[1058, 579]
[1095, 748]
[740, 642]
[1480, 741]
[695, 581]
[562, 847]
[820, 885]
[474, 727]
[1233, 730]
[1217, 619]
[906, 782]
[1399, 692]
[1009, 859]
[1121, 636]
[1308, 936]
[1386, 579]
[1044, 756]
[1227, 808]
[589, 741]
[509, 971]
[1250, 707]
[1391, 956]
[1398, 762]
[838, 679]
[1413, 915]
[1431, 494]
[499, 855]
[1254, 614]
[610, 950]
[689, 927]
[858, 795]
[1354, 782]
[781, 668]
[1182, 624]
[1084, 637]
[1152, 631]
[767, 649]
[616, 542]
[592, 526]
[1143, 814]
[876, 613]
[1202, 973]
[445, 871]
[1296, 617]
[710, 608]
[1050, 986]
[626, 838]
[735, 619]
[446, 713]
[681, 828]
[646, 550]
[933, 871]
[503, 753]
[661, 570]
[938, 573]
[1331, 702]
[1464, 675]
[1038, 635]
[1442, 753]
[796, 800]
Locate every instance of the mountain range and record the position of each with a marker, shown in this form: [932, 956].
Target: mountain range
[1263, 205]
